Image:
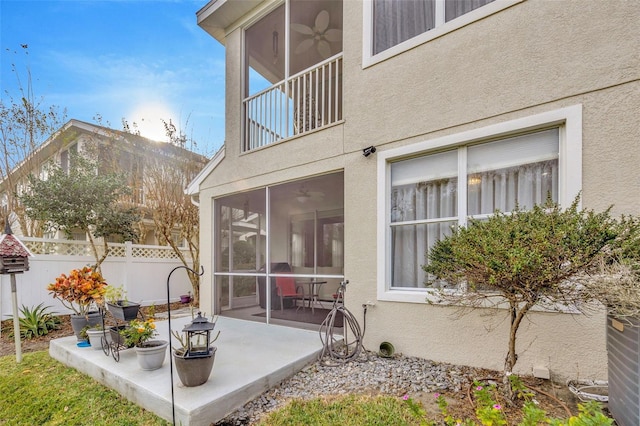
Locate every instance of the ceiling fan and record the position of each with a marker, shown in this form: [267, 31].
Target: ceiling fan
[320, 35]
[303, 195]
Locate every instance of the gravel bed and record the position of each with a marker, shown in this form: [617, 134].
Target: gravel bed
[374, 375]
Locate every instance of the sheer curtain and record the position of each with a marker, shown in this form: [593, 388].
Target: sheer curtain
[525, 185]
[455, 8]
[416, 202]
[521, 170]
[396, 21]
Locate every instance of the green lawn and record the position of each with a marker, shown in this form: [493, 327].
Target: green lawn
[42, 391]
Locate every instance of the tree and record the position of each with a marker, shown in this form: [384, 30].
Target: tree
[82, 199]
[527, 258]
[25, 122]
[173, 213]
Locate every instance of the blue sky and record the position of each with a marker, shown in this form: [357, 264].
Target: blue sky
[140, 60]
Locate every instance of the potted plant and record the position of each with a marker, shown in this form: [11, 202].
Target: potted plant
[150, 353]
[194, 359]
[119, 306]
[185, 298]
[80, 291]
[95, 335]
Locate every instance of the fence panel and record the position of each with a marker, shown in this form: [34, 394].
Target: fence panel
[141, 270]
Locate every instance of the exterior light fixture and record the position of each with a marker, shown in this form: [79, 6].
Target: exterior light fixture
[368, 151]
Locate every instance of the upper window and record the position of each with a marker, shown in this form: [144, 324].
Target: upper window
[392, 26]
[435, 185]
[397, 21]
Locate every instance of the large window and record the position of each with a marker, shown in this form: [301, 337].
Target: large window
[438, 184]
[497, 175]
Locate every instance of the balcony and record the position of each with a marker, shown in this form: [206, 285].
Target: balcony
[309, 100]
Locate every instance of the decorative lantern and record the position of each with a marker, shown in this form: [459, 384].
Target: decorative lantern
[198, 335]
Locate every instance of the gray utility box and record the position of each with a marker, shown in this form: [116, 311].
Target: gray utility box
[623, 347]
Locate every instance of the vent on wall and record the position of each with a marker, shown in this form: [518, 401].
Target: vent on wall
[623, 347]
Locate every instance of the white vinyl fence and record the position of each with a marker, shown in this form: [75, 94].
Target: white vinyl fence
[141, 270]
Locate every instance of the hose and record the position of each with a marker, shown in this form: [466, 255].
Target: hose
[341, 350]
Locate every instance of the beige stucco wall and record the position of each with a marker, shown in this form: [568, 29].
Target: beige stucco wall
[533, 57]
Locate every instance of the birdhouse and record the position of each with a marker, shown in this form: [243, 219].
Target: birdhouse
[14, 255]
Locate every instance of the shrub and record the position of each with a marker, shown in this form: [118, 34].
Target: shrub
[36, 321]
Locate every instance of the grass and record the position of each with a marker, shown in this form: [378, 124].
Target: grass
[42, 391]
[350, 410]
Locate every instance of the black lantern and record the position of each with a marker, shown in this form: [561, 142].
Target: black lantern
[198, 335]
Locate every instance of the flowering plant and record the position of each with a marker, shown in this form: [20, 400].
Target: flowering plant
[138, 332]
[79, 290]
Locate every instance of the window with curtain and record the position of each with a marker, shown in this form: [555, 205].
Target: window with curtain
[431, 193]
[397, 21]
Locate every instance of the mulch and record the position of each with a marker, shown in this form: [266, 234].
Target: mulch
[41, 343]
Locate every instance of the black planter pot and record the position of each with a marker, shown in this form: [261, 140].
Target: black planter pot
[118, 339]
[123, 310]
[78, 322]
[194, 371]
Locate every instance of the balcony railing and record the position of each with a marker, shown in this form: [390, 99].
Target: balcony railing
[306, 101]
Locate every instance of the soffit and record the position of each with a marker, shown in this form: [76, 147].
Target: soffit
[220, 14]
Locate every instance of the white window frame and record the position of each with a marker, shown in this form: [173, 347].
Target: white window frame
[442, 28]
[569, 121]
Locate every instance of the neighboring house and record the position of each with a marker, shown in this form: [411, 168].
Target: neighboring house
[471, 106]
[126, 153]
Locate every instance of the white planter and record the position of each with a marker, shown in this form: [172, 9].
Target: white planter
[95, 338]
[152, 354]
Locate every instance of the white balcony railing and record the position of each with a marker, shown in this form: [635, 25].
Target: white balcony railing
[306, 101]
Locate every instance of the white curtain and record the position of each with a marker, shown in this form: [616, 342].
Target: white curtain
[487, 191]
[423, 200]
[525, 185]
[455, 8]
[396, 21]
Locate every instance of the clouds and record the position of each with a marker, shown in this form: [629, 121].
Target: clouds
[117, 59]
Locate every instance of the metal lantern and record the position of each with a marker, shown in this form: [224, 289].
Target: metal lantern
[198, 337]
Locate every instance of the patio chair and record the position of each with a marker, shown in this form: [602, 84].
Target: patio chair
[286, 289]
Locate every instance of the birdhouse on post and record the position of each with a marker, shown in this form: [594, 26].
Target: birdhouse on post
[14, 255]
[14, 259]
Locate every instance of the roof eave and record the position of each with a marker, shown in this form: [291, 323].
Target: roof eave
[217, 15]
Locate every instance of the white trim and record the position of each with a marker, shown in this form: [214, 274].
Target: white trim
[367, 37]
[569, 182]
[194, 187]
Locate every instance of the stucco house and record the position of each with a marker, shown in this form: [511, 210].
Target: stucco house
[130, 154]
[359, 131]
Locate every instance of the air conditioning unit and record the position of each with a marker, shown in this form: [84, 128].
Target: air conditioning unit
[623, 347]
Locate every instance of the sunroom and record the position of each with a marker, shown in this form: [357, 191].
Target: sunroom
[279, 250]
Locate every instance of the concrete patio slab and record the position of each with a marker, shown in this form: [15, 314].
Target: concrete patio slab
[251, 358]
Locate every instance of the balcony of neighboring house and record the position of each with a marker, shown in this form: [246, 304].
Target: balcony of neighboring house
[292, 72]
